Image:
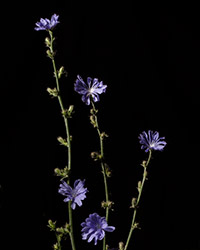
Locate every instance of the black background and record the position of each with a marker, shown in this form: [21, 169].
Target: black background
[149, 58]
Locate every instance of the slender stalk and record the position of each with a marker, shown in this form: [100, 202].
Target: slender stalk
[134, 224]
[67, 134]
[103, 169]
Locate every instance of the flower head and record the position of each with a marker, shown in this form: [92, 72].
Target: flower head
[88, 90]
[94, 227]
[151, 141]
[46, 24]
[76, 194]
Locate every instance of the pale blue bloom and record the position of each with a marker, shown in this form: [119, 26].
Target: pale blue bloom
[46, 24]
[94, 227]
[76, 194]
[91, 89]
[151, 141]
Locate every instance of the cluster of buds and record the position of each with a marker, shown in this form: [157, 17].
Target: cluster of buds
[63, 230]
[68, 112]
[136, 225]
[104, 135]
[63, 173]
[96, 156]
[107, 204]
[60, 232]
[53, 92]
[48, 43]
[93, 118]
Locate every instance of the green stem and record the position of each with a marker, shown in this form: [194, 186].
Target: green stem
[103, 169]
[67, 134]
[134, 224]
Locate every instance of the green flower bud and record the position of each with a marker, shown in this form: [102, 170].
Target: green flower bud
[55, 246]
[139, 186]
[50, 54]
[133, 203]
[103, 135]
[61, 71]
[52, 225]
[144, 164]
[121, 245]
[107, 170]
[47, 42]
[93, 120]
[62, 141]
[64, 173]
[108, 204]
[93, 111]
[96, 156]
[52, 92]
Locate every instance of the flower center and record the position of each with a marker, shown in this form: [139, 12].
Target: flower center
[152, 145]
[98, 226]
[91, 90]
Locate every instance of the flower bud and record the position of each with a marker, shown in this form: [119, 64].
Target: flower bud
[103, 135]
[47, 42]
[93, 111]
[133, 203]
[107, 170]
[139, 186]
[50, 54]
[107, 204]
[144, 164]
[121, 245]
[64, 173]
[93, 120]
[96, 156]
[61, 72]
[55, 246]
[52, 92]
[62, 141]
[52, 225]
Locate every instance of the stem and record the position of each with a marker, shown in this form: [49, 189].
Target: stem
[134, 224]
[103, 170]
[67, 134]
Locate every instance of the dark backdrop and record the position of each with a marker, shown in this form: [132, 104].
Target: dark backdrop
[149, 58]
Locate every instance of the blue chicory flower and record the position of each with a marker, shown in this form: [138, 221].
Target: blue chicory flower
[76, 194]
[46, 24]
[151, 141]
[88, 90]
[94, 227]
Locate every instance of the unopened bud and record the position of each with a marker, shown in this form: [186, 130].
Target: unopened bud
[50, 54]
[62, 141]
[96, 156]
[61, 71]
[93, 120]
[121, 245]
[52, 225]
[52, 92]
[134, 203]
[47, 42]
[55, 246]
[139, 186]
